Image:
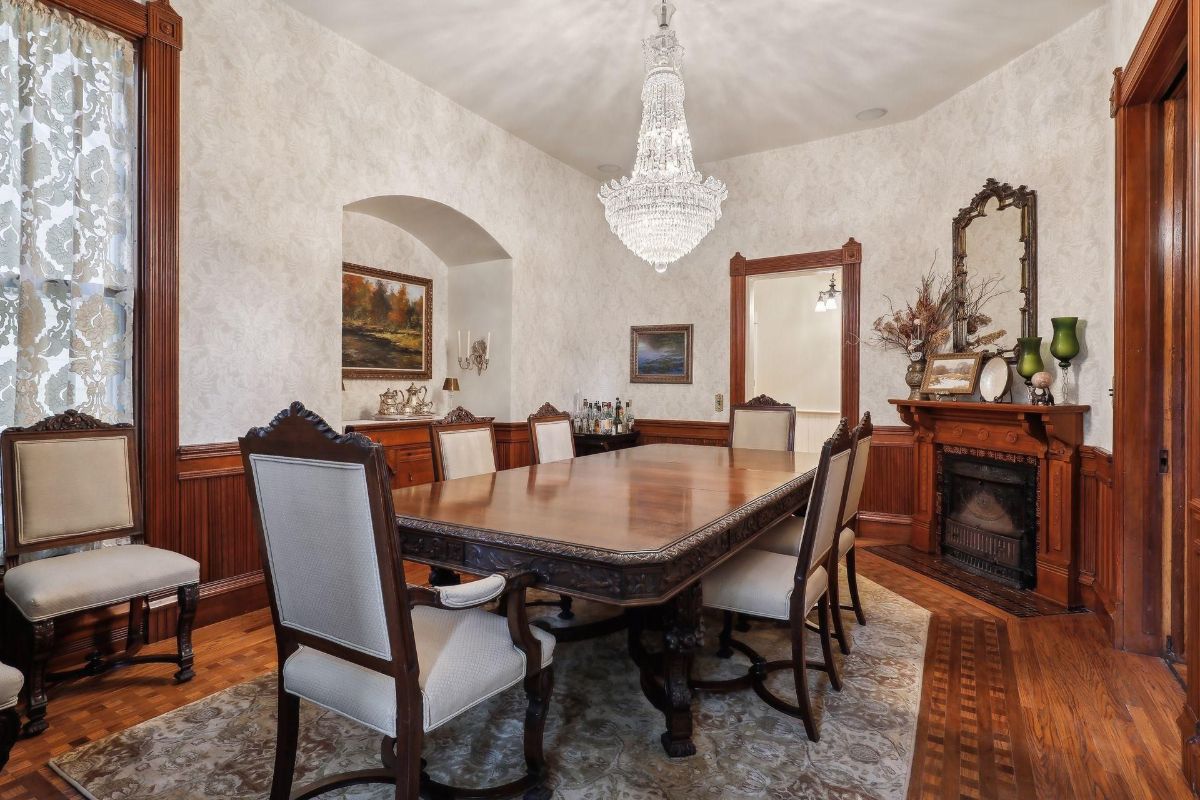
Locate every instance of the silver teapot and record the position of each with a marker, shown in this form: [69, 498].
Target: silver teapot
[389, 403]
[415, 402]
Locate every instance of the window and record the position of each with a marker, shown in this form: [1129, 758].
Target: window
[68, 190]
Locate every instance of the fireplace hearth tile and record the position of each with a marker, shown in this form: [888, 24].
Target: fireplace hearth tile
[1018, 602]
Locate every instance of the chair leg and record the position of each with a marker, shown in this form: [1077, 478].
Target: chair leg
[286, 739]
[564, 605]
[135, 635]
[42, 644]
[726, 637]
[10, 729]
[831, 668]
[852, 581]
[835, 605]
[538, 689]
[189, 598]
[743, 623]
[800, 675]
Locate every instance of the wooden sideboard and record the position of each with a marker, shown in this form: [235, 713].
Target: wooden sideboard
[1051, 434]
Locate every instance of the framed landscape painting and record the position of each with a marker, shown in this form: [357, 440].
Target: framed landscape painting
[660, 354]
[387, 324]
[952, 373]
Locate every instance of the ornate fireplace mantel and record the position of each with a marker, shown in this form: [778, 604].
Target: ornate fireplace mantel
[1051, 434]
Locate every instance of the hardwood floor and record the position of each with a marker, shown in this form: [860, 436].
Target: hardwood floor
[1094, 722]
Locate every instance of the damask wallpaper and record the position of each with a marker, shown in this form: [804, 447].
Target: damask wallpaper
[265, 179]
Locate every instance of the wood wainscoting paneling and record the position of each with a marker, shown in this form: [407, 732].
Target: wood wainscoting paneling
[1099, 539]
[886, 508]
[682, 431]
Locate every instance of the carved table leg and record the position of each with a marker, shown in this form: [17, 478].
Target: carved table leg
[667, 687]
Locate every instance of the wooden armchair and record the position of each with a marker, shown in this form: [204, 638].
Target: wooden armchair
[763, 423]
[788, 588]
[354, 638]
[11, 681]
[68, 480]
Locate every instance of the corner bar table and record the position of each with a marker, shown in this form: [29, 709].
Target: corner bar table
[632, 528]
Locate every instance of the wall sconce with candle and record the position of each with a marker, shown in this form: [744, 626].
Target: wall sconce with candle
[477, 355]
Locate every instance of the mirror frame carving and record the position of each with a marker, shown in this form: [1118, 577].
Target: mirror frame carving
[1022, 198]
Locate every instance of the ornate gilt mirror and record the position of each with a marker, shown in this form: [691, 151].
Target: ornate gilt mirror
[995, 244]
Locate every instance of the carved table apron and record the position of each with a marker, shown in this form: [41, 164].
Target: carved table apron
[633, 528]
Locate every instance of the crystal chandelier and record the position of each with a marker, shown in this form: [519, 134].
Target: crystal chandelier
[666, 207]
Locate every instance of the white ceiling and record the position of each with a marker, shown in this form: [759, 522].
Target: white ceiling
[565, 75]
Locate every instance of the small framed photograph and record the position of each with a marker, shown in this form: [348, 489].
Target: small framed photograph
[952, 373]
[660, 354]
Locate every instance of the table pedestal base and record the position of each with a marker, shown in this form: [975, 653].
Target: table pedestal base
[665, 676]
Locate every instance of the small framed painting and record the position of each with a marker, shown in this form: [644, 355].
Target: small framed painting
[952, 373]
[660, 354]
[387, 324]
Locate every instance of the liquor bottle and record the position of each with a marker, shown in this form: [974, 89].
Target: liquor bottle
[596, 418]
[628, 416]
[581, 413]
[618, 418]
[607, 424]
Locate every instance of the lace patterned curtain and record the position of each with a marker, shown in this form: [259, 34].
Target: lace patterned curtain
[67, 198]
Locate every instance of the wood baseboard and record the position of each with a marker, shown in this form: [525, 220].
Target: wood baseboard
[891, 528]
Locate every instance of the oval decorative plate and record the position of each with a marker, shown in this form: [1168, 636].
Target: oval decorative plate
[994, 379]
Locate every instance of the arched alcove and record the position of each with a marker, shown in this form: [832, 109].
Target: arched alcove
[471, 275]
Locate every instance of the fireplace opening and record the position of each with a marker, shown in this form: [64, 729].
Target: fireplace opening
[988, 514]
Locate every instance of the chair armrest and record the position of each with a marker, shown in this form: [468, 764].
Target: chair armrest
[515, 609]
[464, 595]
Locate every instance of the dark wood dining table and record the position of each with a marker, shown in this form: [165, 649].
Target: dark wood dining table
[635, 528]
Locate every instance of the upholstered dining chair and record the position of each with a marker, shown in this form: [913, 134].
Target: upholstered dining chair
[551, 439]
[785, 538]
[787, 587]
[70, 480]
[464, 445]
[353, 638]
[762, 424]
[550, 435]
[11, 681]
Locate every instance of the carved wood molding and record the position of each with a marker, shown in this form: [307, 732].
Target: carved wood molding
[70, 420]
[460, 416]
[297, 411]
[546, 410]
[163, 24]
[762, 400]
[1157, 58]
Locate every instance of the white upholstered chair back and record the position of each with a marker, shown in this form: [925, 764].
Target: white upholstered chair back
[763, 424]
[554, 440]
[320, 545]
[464, 452]
[858, 475]
[830, 501]
[70, 487]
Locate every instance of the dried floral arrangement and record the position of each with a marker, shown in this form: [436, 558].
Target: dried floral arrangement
[925, 325]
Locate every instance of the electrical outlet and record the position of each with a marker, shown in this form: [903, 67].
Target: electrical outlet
[720, 402]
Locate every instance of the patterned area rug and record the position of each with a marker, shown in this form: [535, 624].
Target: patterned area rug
[601, 739]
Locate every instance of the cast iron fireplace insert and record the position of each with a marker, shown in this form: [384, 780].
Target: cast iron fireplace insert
[988, 513]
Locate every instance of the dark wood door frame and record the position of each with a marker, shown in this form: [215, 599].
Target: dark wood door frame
[1147, 222]
[849, 258]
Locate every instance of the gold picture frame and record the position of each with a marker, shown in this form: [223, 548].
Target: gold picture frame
[660, 354]
[951, 373]
[387, 324]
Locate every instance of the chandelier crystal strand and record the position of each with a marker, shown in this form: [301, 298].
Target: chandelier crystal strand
[666, 207]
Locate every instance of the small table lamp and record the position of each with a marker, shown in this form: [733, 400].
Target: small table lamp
[450, 386]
